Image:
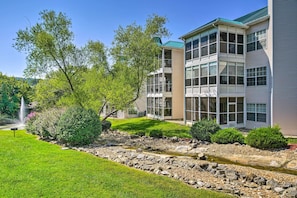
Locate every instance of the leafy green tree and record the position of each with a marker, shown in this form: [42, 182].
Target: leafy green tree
[49, 47]
[8, 102]
[11, 91]
[134, 52]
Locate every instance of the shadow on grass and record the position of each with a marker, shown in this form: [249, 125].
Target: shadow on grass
[138, 126]
[147, 125]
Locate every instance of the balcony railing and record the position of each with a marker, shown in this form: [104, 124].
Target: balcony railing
[168, 62]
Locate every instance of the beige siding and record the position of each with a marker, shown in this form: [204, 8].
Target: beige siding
[178, 83]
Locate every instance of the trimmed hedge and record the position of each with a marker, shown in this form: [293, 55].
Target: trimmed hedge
[227, 136]
[203, 129]
[266, 138]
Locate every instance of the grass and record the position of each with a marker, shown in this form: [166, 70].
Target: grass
[292, 140]
[33, 168]
[134, 125]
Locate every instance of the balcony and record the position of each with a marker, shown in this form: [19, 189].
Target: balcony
[168, 63]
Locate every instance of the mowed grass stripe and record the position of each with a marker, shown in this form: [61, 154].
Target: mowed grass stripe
[33, 168]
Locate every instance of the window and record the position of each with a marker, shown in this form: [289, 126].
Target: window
[188, 50]
[256, 76]
[240, 73]
[231, 73]
[223, 110]
[168, 58]
[188, 76]
[188, 108]
[239, 44]
[212, 105]
[196, 48]
[168, 107]
[204, 46]
[231, 43]
[223, 42]
[261, 39]
[204, 74]
[256, 40]
[212, 43]
[256, 112]
[261, 76]
[223, 73]
[251, 80]
[231, 110]
[213, 73]
[196, 75]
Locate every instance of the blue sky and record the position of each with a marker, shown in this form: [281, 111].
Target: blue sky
[98, 19]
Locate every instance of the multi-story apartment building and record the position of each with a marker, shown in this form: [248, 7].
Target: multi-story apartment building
[165, 97]
[243, 72]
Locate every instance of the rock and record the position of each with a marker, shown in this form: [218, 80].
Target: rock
[164, 172]
[201, 156]
[290, 193]
[140, 156]
[231, 175]
[292, 165]
[278, 190]
[200, 184]
[182, 149]
[204, 166]
[192, 182]
[272, 183]
[274, 163]
[261, 181]
[139, 150]
[194, 145]
[250, 177]
[174, 139]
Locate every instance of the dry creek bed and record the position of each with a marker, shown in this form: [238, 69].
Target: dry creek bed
[186, 160]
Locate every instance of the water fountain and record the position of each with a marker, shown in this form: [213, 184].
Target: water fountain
[20, 123]
[22, 113]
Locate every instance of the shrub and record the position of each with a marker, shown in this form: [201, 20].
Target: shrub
[203, 129]
[30, 126]
[266, 138]
[106, 125]
[156, 133]
[45, 124]
[78, 126]
[227, 136]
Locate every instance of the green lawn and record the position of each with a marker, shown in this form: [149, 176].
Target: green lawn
[133, 125]
[33, 168]
[292, 140]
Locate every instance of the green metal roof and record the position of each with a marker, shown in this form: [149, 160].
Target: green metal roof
[173, 44]
[253, 15]
[212, 24]
[239, 22]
